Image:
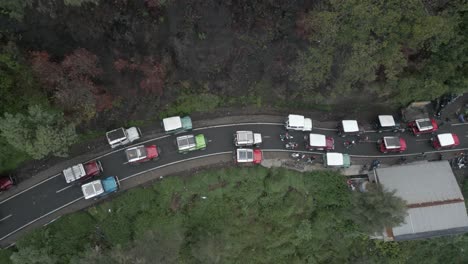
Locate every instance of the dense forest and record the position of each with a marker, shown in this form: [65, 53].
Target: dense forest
[76, 67]
[243, 215]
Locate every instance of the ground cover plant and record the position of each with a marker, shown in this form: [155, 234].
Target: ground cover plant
[248, 215]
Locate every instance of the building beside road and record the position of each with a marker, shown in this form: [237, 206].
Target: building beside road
[436, 206]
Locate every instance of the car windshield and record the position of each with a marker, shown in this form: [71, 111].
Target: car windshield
[392, 142]
[424, 124]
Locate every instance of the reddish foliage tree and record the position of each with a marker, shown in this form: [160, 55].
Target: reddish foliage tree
[81, 63]
[153, 72]
[154, 78]
[49, 73]
[70, 80]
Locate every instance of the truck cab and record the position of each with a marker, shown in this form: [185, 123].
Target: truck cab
[337, 160]
[82, 171]
[248, 155]
[299, 123]
[141, 153]
[121, 136]
[100, 188]
[7, 182]
[247, 139]
[189, 143]
[177, 124]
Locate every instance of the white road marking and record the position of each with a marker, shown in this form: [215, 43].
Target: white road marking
[39, 218]
[53, 220]
[126, 162]
[427, 139]
[69, 186]
[27, 189]
[326, 129]
[6, 217]
[266, 137]
[175, 162]
[460, 124]
[240, 124]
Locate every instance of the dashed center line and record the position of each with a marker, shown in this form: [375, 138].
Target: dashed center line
[61, 190]
[6, 217]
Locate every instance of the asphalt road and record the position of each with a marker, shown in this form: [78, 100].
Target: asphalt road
[24, 208]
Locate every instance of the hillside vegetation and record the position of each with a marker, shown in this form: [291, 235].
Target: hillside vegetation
[237, 215]
[99, 64]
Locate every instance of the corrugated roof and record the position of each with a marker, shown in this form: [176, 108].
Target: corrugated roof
[433, 218]
[421, 183]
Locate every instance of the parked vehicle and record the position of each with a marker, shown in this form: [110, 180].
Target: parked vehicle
[247, 139]
[248, 155]
[392, 144]
[100, 188]
[446, 140]
[121, 136]
[348, 127]
[423, 126]
[299, 123]
[189, 143]
[338, 160]
[142, 153]
[386, 123]
[82, 172]
[319, 142]
[177, 124]
[7, 182]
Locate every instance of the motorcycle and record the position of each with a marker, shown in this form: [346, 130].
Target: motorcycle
[374, 165]
[286, 136]
[348, 144]
[291, 145]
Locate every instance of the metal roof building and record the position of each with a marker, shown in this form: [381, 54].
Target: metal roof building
[435, 203]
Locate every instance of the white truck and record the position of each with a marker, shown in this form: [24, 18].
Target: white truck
[99, 188]
[247, 139]
[121, 136]
[299, 123]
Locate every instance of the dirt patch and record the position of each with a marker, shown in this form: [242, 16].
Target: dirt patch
[218, 185]
[175, 202]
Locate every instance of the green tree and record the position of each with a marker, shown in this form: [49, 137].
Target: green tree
[377, 209]
[38, 133]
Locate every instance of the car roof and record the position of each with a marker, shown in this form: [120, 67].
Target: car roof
[136, 153]
[245, 136]
[116, 134]
[296, 120]
[334, 159]
[185, 142]
[424, 124]
[446, 139]
[386, 121]
[317, 140]
[92, 189]
[172, 123]
[392, 142]
[245, 155]
[350, 126]
[74, 173]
